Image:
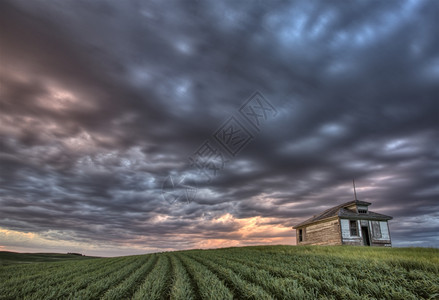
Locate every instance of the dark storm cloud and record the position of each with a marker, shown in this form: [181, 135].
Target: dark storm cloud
[100, 101]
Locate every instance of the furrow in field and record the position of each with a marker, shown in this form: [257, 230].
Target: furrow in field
[127, 287]
[242, 288]
[327, 280]
[319, 284]
[41, 270]
[282, 288]
[49, 280]
[68, 288]
[182, 285]
[31, 269]
[156, 283]
[96, 289]
[208, 285]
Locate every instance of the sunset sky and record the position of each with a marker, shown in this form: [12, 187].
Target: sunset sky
[105, 107]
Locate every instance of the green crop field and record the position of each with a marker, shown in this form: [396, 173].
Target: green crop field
[9, 258]
[260, 272]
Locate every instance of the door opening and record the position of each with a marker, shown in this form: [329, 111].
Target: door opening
[365, 234]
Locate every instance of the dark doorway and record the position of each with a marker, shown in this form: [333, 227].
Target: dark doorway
[365, 234]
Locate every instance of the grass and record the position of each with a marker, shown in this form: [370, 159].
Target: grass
[258, 272]
[9, 258]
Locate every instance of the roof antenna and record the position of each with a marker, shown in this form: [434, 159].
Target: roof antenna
[355, 192]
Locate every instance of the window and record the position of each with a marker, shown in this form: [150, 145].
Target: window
[300, 235]
[376, 229]
[362, 209]
[354, 228]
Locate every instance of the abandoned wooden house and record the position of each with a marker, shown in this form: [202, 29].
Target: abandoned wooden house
[350, 223]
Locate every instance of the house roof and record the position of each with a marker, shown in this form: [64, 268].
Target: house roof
[342, 212]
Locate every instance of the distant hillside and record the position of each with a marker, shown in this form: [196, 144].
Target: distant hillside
[8, 258]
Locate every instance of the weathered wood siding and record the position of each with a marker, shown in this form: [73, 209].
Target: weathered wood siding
[323, 233]
[346, 234]
[352, 208]
[345, 228]
[380, 235]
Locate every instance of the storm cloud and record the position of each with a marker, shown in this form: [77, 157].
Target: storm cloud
[102, 101]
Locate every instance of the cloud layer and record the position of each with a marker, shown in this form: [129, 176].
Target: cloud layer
[101, 101]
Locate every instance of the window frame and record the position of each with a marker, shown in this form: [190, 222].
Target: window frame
[353, 228]
[376, 229]
[300, 235]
